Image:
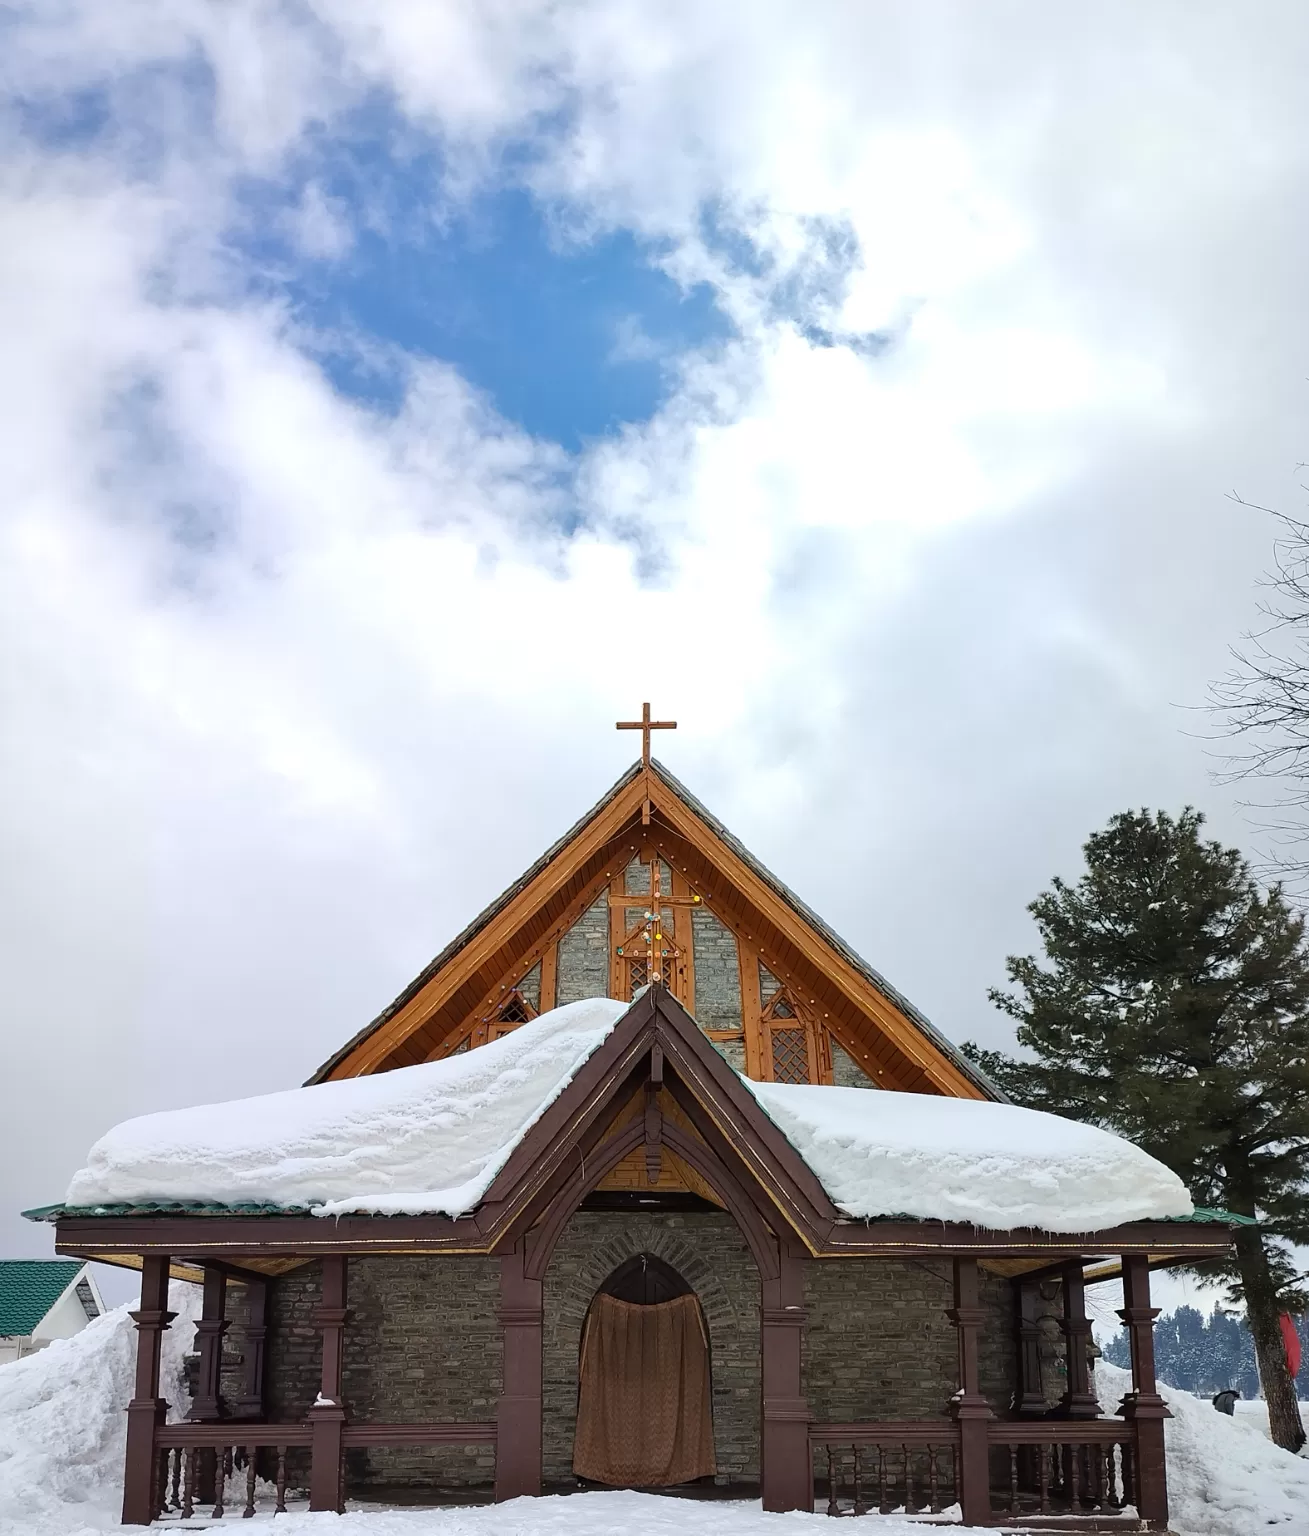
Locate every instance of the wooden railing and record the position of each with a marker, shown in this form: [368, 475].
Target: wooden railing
[198, 1463]
[881, 1467]
[1036, 1467]
[1062, 1466]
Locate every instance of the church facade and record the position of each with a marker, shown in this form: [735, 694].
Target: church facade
[656, 1287]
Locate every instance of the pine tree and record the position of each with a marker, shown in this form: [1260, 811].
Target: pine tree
[1172, 1006]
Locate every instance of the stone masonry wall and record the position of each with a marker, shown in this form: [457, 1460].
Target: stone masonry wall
[879, 1346]
[423, 1343]
[708, 1251]
[717, 972]
[846, 1072]
[584, 955]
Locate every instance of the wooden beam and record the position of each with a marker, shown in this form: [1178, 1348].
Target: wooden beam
[835, 1005]
[549, 975]
[624, 808]
[912, 1043]
[757, 1063]
[547, 945]
[683, 937]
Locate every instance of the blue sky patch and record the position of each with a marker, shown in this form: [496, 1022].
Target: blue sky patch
[571, 339]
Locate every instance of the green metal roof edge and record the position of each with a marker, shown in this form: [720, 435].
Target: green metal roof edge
[168, 1208]
[1218, 1216]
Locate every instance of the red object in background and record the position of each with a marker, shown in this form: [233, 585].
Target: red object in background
[1291, 1339]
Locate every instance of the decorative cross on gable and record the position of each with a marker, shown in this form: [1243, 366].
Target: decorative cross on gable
[648, 940]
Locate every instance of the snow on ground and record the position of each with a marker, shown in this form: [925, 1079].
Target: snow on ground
[429, 1138]
[891, 1154]
[62, 1422]
[1225, 1477]
[432, 1137]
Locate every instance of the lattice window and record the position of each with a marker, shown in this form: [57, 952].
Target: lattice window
[638, 972]
[516, 1010]
[791, 1055]
[782, 1009]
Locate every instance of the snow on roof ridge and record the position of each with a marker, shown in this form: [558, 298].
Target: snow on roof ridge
[430, 1139]
[998, 1166]
[424, 1139]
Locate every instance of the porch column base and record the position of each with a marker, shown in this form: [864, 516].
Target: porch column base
[140, 1495]
[1146, 1415]
[787, 1465]
[326, 1470]
[974, 1490]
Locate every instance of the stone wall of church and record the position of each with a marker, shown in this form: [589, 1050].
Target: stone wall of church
[846, 1071]
[423, 1344]
[584, 955]
[878, 1344]
[708, 1251]
[717, 972]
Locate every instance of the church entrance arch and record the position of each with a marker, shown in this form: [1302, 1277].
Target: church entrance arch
[644, 1418]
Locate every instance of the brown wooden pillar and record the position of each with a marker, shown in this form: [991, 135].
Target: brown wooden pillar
[1078, 1401]
[786, 1466]
[968, 1407]
[327, 1416]
[251, 1403]
[211, 1326]
[1143, 1407]
[1029, 1400]
[518, 1415]
[147, 1410]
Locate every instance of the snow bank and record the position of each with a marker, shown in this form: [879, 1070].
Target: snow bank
[911, 1154]
[429, 1138]
[1224, 1477]
[63, 1424]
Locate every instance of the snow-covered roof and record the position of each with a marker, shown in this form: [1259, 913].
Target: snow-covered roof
[995, 1165]
[424, 1139]
[431, 1139]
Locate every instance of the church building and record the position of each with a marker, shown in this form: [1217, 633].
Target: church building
[649, 1181]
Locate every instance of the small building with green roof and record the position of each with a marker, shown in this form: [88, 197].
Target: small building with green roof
[42, 1300]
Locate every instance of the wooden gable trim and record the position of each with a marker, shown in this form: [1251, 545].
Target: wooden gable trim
[903, 1031]
[607, 825]
[522, 1190]
[744, 902]
[833, 1008]
[442, 1006]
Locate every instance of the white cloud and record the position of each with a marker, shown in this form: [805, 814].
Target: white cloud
[291, 686]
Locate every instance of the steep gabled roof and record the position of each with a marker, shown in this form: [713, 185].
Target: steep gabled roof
[884, 1032]
[29, 1288]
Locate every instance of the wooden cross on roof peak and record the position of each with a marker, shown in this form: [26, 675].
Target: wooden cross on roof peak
[645, 725]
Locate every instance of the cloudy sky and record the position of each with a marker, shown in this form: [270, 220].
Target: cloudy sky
[393, 396]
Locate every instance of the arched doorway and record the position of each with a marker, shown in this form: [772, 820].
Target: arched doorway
[644, 1417]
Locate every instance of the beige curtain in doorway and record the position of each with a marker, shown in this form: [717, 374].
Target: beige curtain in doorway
[643, 1411]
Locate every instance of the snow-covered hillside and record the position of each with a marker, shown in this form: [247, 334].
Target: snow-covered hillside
[61, 1449]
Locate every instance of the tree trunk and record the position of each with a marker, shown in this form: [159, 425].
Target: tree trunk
[1262, 1313]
